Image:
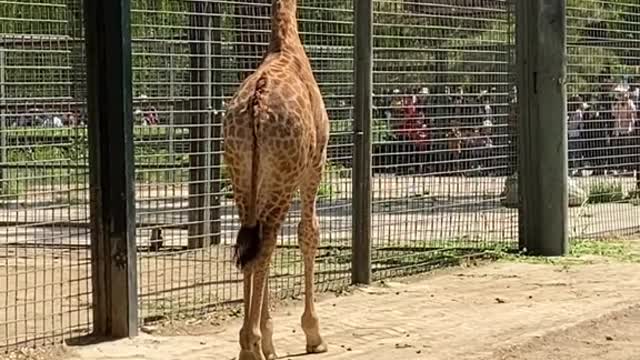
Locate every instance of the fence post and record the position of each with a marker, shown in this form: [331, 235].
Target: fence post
[541, 46]
[3, 118]
[200, 131]
[217, 117]
[110, 126]
[363, 69]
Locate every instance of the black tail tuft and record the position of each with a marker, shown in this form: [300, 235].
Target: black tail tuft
[247, 245]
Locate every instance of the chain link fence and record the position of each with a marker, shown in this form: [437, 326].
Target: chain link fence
[444, 145]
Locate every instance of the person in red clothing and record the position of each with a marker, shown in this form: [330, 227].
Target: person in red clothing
[151, 116]
[413, 125]
[412, 131]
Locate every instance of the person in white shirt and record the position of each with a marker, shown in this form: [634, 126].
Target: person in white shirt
[574, 129]
[624, 115]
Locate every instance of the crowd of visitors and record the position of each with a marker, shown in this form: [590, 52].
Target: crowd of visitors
[448, 131]
[603, 128]
[473, 131]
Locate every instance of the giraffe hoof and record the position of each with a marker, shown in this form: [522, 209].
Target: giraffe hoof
[317, 349]
[270, 356]
[248, 355]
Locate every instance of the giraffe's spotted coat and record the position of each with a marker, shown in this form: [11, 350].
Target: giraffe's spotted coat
[276, 132]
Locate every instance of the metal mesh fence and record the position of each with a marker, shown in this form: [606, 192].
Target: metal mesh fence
[603, 88]
[44, 221]
[189, 57]
[444, 145]
[444, 139]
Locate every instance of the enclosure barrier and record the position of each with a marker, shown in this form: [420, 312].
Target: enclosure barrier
[115, 205]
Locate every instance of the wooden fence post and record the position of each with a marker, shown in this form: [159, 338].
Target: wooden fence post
[542, 65]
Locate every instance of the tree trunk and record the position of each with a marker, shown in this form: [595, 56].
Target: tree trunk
[253, 26]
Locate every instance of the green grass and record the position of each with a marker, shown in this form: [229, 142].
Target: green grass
[605, 192]
[582, 251]
[139, 133]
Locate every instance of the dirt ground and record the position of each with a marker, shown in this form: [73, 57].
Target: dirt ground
[504, 310]
[45, 290]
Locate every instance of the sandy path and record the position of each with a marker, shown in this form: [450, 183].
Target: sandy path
[497, 311]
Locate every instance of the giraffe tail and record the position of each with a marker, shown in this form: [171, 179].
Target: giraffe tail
[248, 243]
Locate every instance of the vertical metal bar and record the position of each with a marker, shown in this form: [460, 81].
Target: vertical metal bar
[251, 21]
[522, 81]
[541, 57]
[78, 91]
[3, 118]
[217, 113]
[512, 111]
[363, 69]
[109, 100]
[172, 94]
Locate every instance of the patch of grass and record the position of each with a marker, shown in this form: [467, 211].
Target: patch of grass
[332, 169]
[582, 251]
[605, 192]
[620, 250]
[326, 190]
[33, 134]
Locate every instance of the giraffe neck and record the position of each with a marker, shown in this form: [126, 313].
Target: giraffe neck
[284, 26]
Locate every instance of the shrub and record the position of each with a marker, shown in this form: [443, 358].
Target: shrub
[605, 192]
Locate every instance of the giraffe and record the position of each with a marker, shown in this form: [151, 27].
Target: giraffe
[276, 131]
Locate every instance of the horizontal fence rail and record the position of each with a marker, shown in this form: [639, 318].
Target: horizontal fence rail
[444, 150]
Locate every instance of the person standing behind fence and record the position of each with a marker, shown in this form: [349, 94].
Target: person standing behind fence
[590, 135]
[574, 130]
[604, 115]
[635, 144]
[624, 114]
[413, 133]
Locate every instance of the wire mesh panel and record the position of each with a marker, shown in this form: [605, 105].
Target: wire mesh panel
[44, 221]
[443, 131]
[189, 58]
[604, 137]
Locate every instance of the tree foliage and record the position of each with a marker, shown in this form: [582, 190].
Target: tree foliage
[414, 42]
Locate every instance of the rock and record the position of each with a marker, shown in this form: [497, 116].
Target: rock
[577, 195]
[510, 193]
[149, 329]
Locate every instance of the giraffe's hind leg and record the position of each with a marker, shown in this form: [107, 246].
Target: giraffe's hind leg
[251, 336]
[273, 208]
[239, 167]
[266, 324]
[308, 239]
